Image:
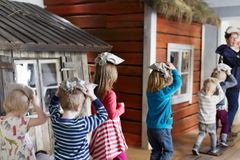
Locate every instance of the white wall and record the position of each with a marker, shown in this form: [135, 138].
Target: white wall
[36, 2]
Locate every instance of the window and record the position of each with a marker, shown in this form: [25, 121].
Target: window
[43, 76]
[181, 56]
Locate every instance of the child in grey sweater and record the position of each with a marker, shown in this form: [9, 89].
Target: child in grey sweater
[223, 73]
[207, 113]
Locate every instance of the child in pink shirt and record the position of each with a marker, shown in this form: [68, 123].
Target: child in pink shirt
[108, 142]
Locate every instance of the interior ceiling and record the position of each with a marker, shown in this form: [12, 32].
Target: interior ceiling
[223, 3]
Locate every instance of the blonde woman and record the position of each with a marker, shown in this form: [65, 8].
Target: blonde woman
[163, 82]
[108, 142]
[14, 141]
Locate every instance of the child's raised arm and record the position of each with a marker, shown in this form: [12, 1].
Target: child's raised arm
[101, 115]
[41, 115]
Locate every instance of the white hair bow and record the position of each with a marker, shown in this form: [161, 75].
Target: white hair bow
[105, 57]
[76, 83]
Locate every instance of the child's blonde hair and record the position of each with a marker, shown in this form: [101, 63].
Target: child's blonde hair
[156, 81]
[15, 101]
[210, 83]
[71, 101]
[105, 76]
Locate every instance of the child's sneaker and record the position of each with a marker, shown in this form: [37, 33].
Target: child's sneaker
[214, 151]
[195, 152]
[223, 143]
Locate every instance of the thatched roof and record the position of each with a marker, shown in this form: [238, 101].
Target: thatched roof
[185, 10]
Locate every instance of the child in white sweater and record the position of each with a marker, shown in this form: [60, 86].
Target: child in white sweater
[207, 113]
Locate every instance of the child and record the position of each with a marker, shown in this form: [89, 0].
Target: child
[163, 82]
[14, 141]
[207, 113]
[223, 73]
[108, 142]
[70, 130]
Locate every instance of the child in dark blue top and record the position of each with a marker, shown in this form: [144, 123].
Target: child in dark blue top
[163, 82]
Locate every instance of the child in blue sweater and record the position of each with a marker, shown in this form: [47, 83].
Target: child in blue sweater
[163, 82]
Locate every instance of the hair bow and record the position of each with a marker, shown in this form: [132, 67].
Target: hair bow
[162, 68]
[105, 57]
[75, 83]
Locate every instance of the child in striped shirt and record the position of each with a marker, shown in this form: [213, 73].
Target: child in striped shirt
[207, 113]
[69, 128]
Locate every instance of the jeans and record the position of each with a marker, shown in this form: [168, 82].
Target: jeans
[161, 142]
[203, 129]
[232, 97]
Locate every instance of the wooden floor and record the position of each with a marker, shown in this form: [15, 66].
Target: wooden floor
[183, 147]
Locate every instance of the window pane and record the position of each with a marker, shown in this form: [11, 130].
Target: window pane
[24, 74]
[184, 84]
[174, 58]
[185, 61]
[49, 93]
[49, 74]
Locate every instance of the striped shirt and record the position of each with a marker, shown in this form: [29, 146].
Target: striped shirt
[71, 134]
[207, 106]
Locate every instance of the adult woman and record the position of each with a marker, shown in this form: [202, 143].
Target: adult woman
[230, 57]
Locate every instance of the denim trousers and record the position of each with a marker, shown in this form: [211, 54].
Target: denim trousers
[161, 142]
[203, 129]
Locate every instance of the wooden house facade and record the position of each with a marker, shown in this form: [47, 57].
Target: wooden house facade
[40, 49]
[141, 37]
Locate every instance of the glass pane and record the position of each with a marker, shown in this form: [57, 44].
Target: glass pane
[48, 94]
[174, 58]
[185, 61]
[49, 74]
[184, 84]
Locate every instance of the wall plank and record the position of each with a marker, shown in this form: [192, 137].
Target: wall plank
[178, 28]
[164, 39]
[134, 34]
[108, 8]
[88, 21]
[131, 127]
[127, 84]
[130, 100]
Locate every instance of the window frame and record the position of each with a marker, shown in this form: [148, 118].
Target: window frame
[180, 48]
[39, 77]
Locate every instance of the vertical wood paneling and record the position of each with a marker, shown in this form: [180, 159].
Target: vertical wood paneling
[120, 23]
[184, 114]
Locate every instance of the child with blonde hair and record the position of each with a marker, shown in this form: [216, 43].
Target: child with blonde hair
[210, 95]
[69, 128]
[223, 73]
[14, 141]
[163, 82]
[108, 142]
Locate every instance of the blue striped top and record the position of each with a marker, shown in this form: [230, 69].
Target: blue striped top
[71, 134]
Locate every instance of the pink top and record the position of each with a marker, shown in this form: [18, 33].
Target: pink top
[107, 140]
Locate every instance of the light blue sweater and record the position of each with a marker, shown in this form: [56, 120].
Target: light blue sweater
[159, 104]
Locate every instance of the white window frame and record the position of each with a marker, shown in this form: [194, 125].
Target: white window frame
[38, 76]
[173, 47]
[43, 89]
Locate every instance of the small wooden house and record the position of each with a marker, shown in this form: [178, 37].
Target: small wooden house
[141, 36]
[40, 49]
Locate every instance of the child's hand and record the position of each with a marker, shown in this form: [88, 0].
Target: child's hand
[170, 66]
[90, 91]
[229, 72]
